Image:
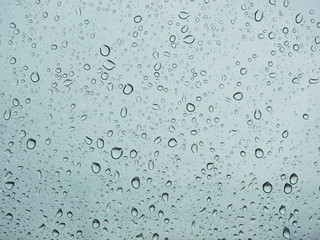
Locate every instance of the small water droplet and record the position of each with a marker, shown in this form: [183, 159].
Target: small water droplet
[7, 114]
[257, 114]
[128, 88]
[116, 152]
[258, 15]
[95, 223]
[293, 178]
[105, 50]
[35, 77]
[134, 212]
[31, 143]
[135, 182]
[305, 116]
[137, 19]
[259, 153]
[286, 233]
[238, 96]
[282, 209]
[189, 39]
[190, 107]
[172, 142]
[267, 187]
[9, 185]
[287, 188]
[285, 134]
[165, 197]
[95, 167]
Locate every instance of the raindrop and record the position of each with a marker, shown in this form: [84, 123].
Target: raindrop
[190, 107]
[165, 197]
[194, 148]
[282, 209]
[293, 179]
[100, 143]
[238, 96]
[257, 114]
[267, 187]
[189, 39]
[35, 77]
[183, 15]
[299, 18]
[258, 16]
[128, 88]
[55, 233]
[135, 182]
[134, 212]
[137, 19]
[243, 71]
[210, 165]
[31, 143]
[286, 233]
[305, 116]
[105, 50]
[9, 216]
[259, 153]
[155, 236]
[116, 152]
[285, 134]
[9, 185]
[287, 188]
[314, 80]
[109, 65]
[7, 114]
[95, 167]
[95, 223]
[172, 142]
[151, 164]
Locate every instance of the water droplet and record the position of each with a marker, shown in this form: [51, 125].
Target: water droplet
[35, 77]
[151, 164]
[299, 18]
[194, 148]
[133, 153]
[305, 116]
[257, 114]
[9, 185]
[134, 212]
[238, 96]
[100, 143]
[88, 140]
[267, 187]
[259, 153]
[128, 88]
[31, 143]
[95, 167]
[282, 209]
[135, 182]
[190, 107]
[189, 39]
[165, 197]
[105, 50]
[183, 15]
[116, 152]
[243, 71]
[95, 223]
[155, 236]
[172, 142]
[210, 165]
[137, 19]
[293, 178]
[314, 80]
[287, 188]
[258, 15]
[285, 134]
[55, 233]
[286, 233]
[109, 65]
[7, 114]
[9, 216]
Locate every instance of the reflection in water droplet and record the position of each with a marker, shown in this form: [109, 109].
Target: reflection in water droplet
[116, 152]
[267, 187]
[259, 153]
[172, 142]
[35, 77]
[238, 96]
[95, 223]
[31, 143]
[95, 167]
[135, 182]
[287, 188]
[293, 178]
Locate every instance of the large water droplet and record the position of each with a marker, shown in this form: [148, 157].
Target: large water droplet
[190, 107]
[134, 212]
[267, 187]
[135, 182]
[128, 88]
[257, 114]
[286, 233]
[285, 134]
[165, 197]
[105, 50]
